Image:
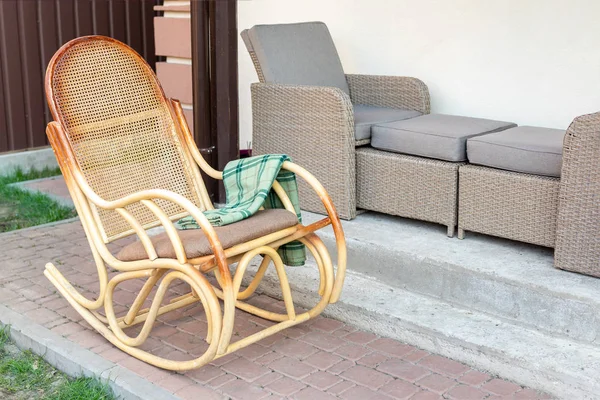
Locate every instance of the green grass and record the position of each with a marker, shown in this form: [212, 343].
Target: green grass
[21, 209]
[24, 375]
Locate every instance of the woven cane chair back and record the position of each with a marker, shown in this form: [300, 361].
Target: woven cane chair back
[120, 127]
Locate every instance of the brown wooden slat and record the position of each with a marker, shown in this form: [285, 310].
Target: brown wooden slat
[201, 90]
[134, 25]
[224, 76]
[118, 20]
[65, 19]
[10, 56]
[172, 37]
[48, 40]
[176, 80]
[84, 18]
[148, 32]
[31, 65]
[101, 17]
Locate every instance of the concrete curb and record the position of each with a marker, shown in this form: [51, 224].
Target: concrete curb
[74, 360]
[27, 159]
[64, 201]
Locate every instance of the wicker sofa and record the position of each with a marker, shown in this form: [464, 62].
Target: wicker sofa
[375, 146]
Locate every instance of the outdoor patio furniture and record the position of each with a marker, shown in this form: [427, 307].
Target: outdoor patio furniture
[130, 163]
[409, 185]
[305, 106]
[529, 185]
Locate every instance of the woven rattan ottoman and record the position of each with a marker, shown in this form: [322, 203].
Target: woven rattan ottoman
[407, 186]
[514, 191]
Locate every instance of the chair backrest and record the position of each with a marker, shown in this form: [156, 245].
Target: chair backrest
[300, 54]
[120, 129]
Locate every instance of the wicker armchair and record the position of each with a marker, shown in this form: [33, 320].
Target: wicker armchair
[305, 106]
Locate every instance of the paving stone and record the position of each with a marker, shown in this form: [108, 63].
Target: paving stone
[361, 337]
[352, 351]
[501, 387]
[363, 393]
[404, 370]
[195, 392]
[372, 360]
[285, 386]
[175, 382]
[294, 348]
[242, 390]
[245, 369]
[322, 380]
[366, 376]
[205, 373]
[425, 395]
[341, 367]
[474, 378]
[415, 356]
[310, 393]
[341, 387]
[324, 341]
[436, 383]
[399, 389]
[391, 346]
[323, 360]
[463, 392]
[327, 324]
[443, 365]
[292, 367]
[221, 380]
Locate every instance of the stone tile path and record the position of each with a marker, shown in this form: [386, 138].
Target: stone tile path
[321, 359]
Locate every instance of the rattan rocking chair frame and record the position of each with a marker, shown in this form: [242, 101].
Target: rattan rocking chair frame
[106, 220]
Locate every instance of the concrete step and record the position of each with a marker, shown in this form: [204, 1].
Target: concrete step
[557, 365]
[495, 304]
[506, 279]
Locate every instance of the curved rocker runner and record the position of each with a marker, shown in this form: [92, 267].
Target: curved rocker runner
[130, 163]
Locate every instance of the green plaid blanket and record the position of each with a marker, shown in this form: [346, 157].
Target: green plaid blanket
[248, 185]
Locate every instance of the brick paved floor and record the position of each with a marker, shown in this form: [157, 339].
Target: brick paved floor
[320, 359]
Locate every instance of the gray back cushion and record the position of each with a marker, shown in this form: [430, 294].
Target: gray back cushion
[298, 54]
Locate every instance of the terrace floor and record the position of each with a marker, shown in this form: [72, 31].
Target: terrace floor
[323, 358]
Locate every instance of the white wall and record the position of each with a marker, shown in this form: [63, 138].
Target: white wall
[534, 62]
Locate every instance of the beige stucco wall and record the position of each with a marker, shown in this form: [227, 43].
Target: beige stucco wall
[533, 62]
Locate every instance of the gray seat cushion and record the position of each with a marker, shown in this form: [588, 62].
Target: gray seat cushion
[527, 149]
[300, 54]
[367, 116]
[439, 136]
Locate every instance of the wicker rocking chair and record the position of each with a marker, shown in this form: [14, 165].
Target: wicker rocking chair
[131, 164]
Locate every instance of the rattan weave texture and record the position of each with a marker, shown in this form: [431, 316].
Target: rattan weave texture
[120, 128]
[408, 186]
[315, 127]
[389, 91]
[578, 230]
[508, 204]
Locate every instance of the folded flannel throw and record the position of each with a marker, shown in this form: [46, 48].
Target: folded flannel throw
[248, 184]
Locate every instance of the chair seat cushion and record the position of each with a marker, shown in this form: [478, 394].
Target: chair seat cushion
[526, 149]
[196, 243]
[439, 136]
[367, 116]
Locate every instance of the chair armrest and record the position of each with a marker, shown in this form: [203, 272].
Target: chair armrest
[578, 225]
[315, 127]
[338, 231]
[389, 91]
